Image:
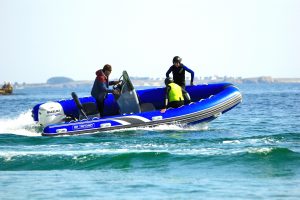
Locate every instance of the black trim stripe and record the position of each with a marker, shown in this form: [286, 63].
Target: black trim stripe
[131, 120]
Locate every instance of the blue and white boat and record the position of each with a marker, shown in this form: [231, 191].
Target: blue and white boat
[134, 108]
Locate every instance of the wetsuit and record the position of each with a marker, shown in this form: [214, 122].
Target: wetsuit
[179, 74]
[100, 89]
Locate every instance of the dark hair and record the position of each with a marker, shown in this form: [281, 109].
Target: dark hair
[168, 80]
[107, 67]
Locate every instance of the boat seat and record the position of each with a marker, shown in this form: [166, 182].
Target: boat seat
[90, 110]
[145, 107]
[86, 110]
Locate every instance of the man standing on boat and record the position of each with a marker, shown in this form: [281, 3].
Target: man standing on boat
[101, 87]
[178, 70]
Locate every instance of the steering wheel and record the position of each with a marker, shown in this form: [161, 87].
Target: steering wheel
[119, 85]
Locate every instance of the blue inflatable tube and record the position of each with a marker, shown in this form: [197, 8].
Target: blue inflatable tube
[208, 102]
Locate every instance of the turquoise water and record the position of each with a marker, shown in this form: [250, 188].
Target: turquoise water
[251, 152]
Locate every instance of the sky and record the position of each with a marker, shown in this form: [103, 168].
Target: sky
[40, 39]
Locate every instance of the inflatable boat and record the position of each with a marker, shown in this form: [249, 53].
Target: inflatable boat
[134, 108]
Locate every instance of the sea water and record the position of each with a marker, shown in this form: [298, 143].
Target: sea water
[250, 152]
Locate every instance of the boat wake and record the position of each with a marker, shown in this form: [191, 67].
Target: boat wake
[21, 125]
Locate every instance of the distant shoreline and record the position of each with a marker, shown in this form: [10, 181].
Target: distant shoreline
[146, 81]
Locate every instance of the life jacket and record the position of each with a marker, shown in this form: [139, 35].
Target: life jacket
[175, 93]
[101, 77]
[100, 85]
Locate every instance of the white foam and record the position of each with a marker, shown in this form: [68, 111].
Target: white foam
[231, 142]
[198, 127]
[263, 150]
[165, 127]
[21, 125]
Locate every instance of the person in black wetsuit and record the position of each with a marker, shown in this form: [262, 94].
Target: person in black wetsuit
[178, 70]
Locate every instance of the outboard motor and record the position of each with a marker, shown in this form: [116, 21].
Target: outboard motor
[50, 113]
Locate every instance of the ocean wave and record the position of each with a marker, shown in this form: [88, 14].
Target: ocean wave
[127, 158]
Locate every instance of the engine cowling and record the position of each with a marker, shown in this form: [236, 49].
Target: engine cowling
[50, 113]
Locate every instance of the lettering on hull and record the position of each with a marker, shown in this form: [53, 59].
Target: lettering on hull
[83, 126]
